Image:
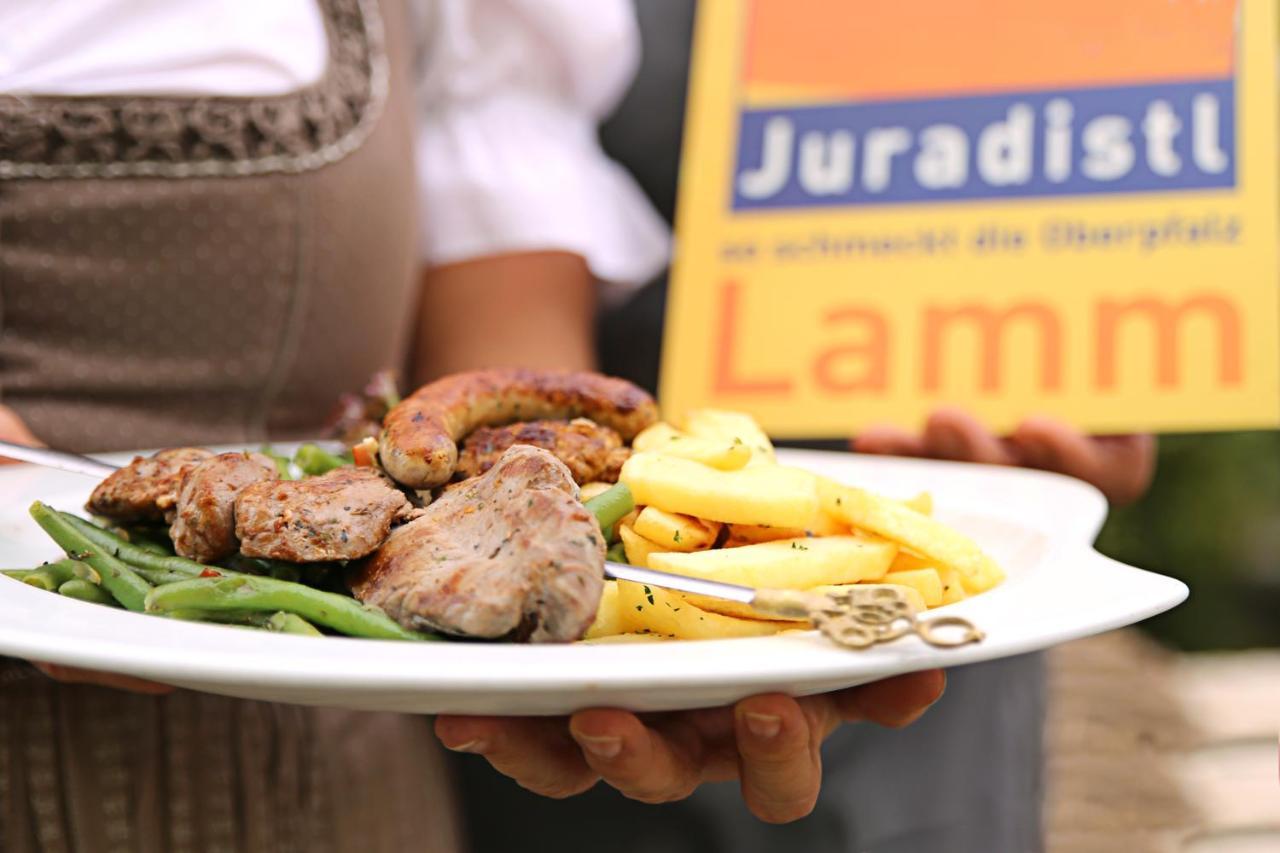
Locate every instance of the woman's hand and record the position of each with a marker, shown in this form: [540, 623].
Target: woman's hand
[1121, 466]
[770, 744]
[13, 429]
[75, 675]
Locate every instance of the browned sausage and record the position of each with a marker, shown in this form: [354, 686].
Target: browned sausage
[419, 445]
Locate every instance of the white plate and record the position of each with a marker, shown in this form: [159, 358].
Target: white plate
[1038, 526]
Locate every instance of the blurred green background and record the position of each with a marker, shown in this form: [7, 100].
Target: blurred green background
[1211, 519]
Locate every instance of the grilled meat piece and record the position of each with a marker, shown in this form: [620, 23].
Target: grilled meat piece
[341, 515]
[204, 525]
[509, 554]
[586, 447]
[613, 465]
[147, 488]
[419, 437]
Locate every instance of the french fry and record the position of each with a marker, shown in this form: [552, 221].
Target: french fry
[824, 524]
[764, 494]
[907, 561]
[624, 638]
[754, 534]
[750, 534]
[637, 547]
[786, 529]
[920, 533]
[676, 532]
[924, 581]
[724, 608]
[952, 588]
[734, 427]
[785, 564]
[655, 437]
[725, 454]
[657, 611]
[608, 616]
[630, 518]
[921, 503]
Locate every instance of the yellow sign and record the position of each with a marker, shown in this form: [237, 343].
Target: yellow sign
[1067, 208]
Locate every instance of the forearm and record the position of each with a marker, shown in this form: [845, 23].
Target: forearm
[534, 309]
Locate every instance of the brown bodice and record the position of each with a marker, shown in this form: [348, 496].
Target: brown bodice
[208, 270]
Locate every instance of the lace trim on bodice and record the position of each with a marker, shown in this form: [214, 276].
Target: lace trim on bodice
[110, 137]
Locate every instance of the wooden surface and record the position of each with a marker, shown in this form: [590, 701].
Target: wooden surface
[1154, 751]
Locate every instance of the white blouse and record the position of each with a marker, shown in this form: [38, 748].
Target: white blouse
[510, 93]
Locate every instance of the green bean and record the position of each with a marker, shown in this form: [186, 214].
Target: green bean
[151, 537]
[313, 460]
[246, 618]
[284, 465]
[160, 565]
[86, 572]
[68, 569]
[283, 622]
[51, 575]
[243, 618]
[117, 578]
[85, 591]
[148, 543]
[160, 576]
[279, 622]
[610, 506]
[41, 579]
[616, 554]
[162, 569]
[243, 592]
[278, 569]
[59, 571]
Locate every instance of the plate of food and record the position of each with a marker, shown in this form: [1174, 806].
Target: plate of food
[526, 542]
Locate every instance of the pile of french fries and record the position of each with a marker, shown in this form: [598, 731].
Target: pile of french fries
[713, 502]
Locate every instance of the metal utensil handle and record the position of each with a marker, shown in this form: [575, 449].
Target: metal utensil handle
[666, 580]
[936, 631]
[787, 603]
[59, 459]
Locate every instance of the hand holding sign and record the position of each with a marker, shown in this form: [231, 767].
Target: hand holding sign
[1121, 466]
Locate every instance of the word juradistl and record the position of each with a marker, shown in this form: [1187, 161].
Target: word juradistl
[1104, 140]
